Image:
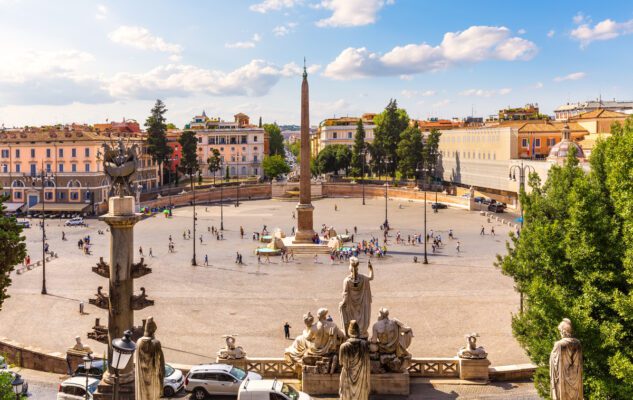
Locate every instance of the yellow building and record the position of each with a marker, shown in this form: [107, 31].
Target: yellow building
[342, 130]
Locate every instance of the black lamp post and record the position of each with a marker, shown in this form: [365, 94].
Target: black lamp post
[419, 170]
[122, 350]
[523, 171]
[386, 196]
[193, 202]
[45, 177]
[364, 154]
[237, 199]
[17, 385]
[87, 359]
[221, 202]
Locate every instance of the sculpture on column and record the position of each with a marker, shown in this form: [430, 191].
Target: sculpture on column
[119, 163]
[565, 365]
[389, 343]
[356, 304]
[231, 351]
[150, 364]
[355, 370]
[471, 350]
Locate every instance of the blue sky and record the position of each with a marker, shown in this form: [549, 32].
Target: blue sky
[84, 61]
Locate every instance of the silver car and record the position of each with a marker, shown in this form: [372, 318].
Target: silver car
[216, 379]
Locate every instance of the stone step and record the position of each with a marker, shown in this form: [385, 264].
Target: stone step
[309, 249]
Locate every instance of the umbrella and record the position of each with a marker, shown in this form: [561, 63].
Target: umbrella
[520, 219]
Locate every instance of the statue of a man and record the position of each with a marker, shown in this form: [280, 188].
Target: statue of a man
[355, 369]
[328, 336]
[150, 364]
[356, 304]
[565, 365]
[294, 353]
[392, 338]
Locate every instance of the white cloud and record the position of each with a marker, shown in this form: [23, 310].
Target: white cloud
[571, 77]
[141, 38]
[475, 44]
[245, 45]
[538, 85]
[485, 93]
[283, 30]
[551, 33]
[406, 77]
[102, 12]
[351, 12]
[413, 93]
[603, 30]
[521, 31]
[580, 18]
[441, 103]
[253, 79]
[272, 5]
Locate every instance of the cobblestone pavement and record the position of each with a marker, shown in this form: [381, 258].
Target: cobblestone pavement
[453, 295]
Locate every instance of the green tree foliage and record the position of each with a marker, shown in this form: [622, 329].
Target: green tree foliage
[295, 148]
[357, 149]
[260, 122]
[430, 153]
[334, 158]
[12, 249]
[171, 126]
[274, 166]
[574, 259]
[6, 388]
[389, 125]
[275, 139]
[227, 176]
[157, 146]
[410, 150]
[189, 144]
[214, 162]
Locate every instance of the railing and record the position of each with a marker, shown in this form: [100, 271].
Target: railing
[434, 367]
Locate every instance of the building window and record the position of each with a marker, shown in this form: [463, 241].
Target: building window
[32, 153]
[87, 152]
[17, 167]
[5, 168]
[73, 167]
[60, 168]
[200, 140]
[5, 153]
[255, 159]
[18, 195]
[17, 153]
[73, 152]
[33, 169]
[61, 153]
[349, 135]
[48, 195]
[74, 196]
[211, 141]
[254, 138]
[87, 167]
[537, 142]
[524, 143]
[48, 168]
[256, 171]
[255, 148]
[334, 135]
[243, 158]
[48, 153]
[60, 195]
[244, 139]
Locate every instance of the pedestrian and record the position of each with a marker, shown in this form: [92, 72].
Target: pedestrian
[457, 247]
[206, 260]
[242, 232]
[287, 327]
[259, 258]
[483, 231]
[151, 253]
[335, 207]
[450, 234]
[170, 239]
[63, 235]
[140, 250]
[200, 239]
[237, 257]
[355, 229]
[81, 308]
[293, 217]
[492, 230]
[27, 260]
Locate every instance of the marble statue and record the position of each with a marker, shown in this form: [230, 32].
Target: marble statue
[294, 353]
[355, 369]
[318, 340]
[471, 351]
[80, 346]
[565, 365]
[356, 304]
[390, 340]
[150, 364]
[120, 163]
[231, 351]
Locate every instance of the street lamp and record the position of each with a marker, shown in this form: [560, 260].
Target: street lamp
[420, 169]
[193, 202]
[17, 384]
[87, 359]
[363, 152]
[386, 195]
[237, 199]
[122, 350]
[45, 177]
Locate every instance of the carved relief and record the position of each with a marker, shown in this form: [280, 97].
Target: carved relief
[141, 301]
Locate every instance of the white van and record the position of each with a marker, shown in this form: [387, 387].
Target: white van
[269, 389]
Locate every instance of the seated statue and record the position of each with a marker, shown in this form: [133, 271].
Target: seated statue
[80, 346]
[231, 351]
[471, 350]
[320, 339]
[389, 342]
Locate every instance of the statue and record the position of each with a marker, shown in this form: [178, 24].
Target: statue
[565, 365]
[150, 364]
[80, 346]
[231, 351]
[120, 163]
[355, 371]
[471, 351]
[389, 342]
[356, 304]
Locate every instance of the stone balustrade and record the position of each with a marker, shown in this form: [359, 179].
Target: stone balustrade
[439, 367]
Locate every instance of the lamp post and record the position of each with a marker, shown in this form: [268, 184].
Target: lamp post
[237, 199]
[193, 201]
[45, 177]
[420, 169]
[221, 202]
[17, 385]
[122, 350]
[363, 152]
[386, 196]
[87, 359]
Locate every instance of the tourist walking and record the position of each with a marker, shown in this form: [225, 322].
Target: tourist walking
[140, 250]
[241, 231]
[287, 328]
[492, 230]
[483, 231]
[457, 247]
[450, 234]
[151, 253]
[206, 260]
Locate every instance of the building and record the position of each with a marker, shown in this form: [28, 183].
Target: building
[439, 124]
[570, 110]
[125, 126]
[598, 124]
[529, 111]
[173, 135]
[341, 131]
[70, 157]
[242, 146]
[536, 138]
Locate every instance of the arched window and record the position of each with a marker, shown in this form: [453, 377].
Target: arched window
[74, 184]
[49, 184]
[18, 183]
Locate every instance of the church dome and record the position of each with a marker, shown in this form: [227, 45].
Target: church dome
[561, 149]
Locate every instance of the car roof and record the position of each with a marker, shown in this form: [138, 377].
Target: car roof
[265, 384]
[79, 381]
[212, 367]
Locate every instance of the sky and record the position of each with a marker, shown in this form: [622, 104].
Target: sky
[86, 61]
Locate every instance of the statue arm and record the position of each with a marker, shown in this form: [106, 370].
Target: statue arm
[371, 272]
[161, 356]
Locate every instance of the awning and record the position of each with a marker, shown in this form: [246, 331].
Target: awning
[12, 207]
[60, 207]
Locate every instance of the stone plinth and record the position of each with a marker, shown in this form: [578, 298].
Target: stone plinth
[305, 232]
[383, 384]
[75, 358]
[474, 369]
[120, 206]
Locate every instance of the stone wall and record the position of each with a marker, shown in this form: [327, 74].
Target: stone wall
[33, 358]
[213, 195]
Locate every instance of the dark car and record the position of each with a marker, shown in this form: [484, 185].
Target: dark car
[438, 206]
[487, 201]
[479, 199]
[96, 370]
[496, 207]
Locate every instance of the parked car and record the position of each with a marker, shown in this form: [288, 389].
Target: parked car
[438, 206]
[496, 207]
[96, 370]
[269, 389]
[75, 388]
[25, 386]
[487, 201]
[77, 221]
[24, 224]
[479, 199]
[173, 382]
[219, 379]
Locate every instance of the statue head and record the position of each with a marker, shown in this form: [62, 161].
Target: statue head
[472, 340]
[565, 328]
[308, 319]
[150, 327]
[353, 331]
[230, 342]
[78, 339]
[322, 313]
[353, 266]
[383, 313]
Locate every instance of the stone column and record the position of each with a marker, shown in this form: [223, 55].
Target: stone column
[305, 230]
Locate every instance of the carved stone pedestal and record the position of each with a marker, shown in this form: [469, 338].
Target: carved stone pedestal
[104, 392]
[328, 384]
[474, 369]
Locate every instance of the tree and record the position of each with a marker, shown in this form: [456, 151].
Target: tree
[275, 139]
[295, 148]
[357, 149]
[574, 259]
[274, 166]
[389, 125]
[214, 162]
[6, 388]
[189, 144]
[334, 158]
[260, 122]
[410, 150]
[226, 174]
[430, 152]
[12, 249]
[171, 126]
[157, 146]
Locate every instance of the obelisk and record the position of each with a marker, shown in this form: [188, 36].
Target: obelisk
[305, 232]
